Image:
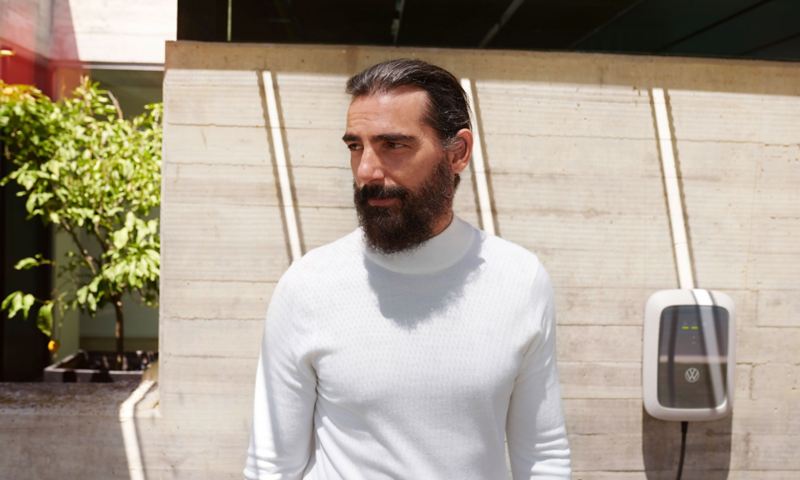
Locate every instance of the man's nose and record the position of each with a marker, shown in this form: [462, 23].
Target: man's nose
[370, 168]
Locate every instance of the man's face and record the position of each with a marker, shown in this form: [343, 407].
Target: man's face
[403, 178]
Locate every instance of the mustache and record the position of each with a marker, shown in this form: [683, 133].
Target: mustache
[369, 192]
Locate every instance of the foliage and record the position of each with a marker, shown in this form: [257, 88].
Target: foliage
[96, 176]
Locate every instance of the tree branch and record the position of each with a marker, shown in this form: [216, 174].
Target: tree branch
[116, 104]
[100, 239]
[90, 261]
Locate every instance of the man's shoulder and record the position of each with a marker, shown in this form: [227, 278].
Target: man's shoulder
[504, 251]
[514, 263]
[337, 257]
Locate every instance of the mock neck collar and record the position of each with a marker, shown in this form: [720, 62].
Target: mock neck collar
[432, 255]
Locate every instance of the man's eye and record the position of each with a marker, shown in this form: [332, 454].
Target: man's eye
[353, 147]
[394, 145]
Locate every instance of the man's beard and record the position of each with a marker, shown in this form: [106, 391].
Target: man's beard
[394, 229]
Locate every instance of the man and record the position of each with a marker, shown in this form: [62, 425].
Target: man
[413, 347]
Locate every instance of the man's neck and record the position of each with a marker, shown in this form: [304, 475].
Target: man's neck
[442, 223]
[439, 252]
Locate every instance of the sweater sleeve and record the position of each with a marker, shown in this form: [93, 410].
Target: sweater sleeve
[537, 439]
[285, 394]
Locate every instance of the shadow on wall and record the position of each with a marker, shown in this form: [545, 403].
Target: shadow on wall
[708, 449]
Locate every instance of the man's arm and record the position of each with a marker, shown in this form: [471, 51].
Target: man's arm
[285, 393]
[537, 439]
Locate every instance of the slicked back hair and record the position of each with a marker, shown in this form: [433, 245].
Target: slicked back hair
[448, 109]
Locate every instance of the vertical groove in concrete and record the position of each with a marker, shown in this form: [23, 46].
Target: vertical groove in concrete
[284, 181]
[478, 164]
[680, 242]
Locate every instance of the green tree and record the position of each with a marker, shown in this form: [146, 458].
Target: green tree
[90, 173]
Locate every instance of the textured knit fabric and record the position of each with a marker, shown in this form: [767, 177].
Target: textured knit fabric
[416, 365]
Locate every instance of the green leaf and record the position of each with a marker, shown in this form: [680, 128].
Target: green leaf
[81, 294]
[95, 282]
[129, 220]
[27, 303]
[32, 262]
[44, 320]
[31, 203]
[26, 264]
[12, 303]
[16, 303]
[91, 301]
[120, 238]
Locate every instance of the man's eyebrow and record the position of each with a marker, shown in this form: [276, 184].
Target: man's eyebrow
[386, 137]
[396, 137]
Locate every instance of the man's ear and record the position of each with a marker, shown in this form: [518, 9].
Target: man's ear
[460, 150]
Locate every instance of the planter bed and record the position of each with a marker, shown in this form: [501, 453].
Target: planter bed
[93, 367]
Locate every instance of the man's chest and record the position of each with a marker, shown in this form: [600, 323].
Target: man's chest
[434, 357]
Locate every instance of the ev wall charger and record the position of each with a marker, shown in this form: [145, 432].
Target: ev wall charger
[689, 364]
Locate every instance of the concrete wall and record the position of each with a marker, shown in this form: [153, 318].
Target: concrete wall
[24, 23]
[570, 143]
[115, 31]
[105, 31]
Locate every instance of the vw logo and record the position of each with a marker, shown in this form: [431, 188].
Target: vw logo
[692, 375]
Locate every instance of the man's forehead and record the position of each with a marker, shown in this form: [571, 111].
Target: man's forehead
[400, 91]
[406, 98]
[403, 106]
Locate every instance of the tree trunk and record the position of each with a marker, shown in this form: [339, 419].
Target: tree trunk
[119, 332]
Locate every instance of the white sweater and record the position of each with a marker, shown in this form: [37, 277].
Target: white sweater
[417, 365]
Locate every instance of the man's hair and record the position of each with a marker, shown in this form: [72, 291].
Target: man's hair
[448, 108]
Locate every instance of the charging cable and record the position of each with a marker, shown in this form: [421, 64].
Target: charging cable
[684, 428]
